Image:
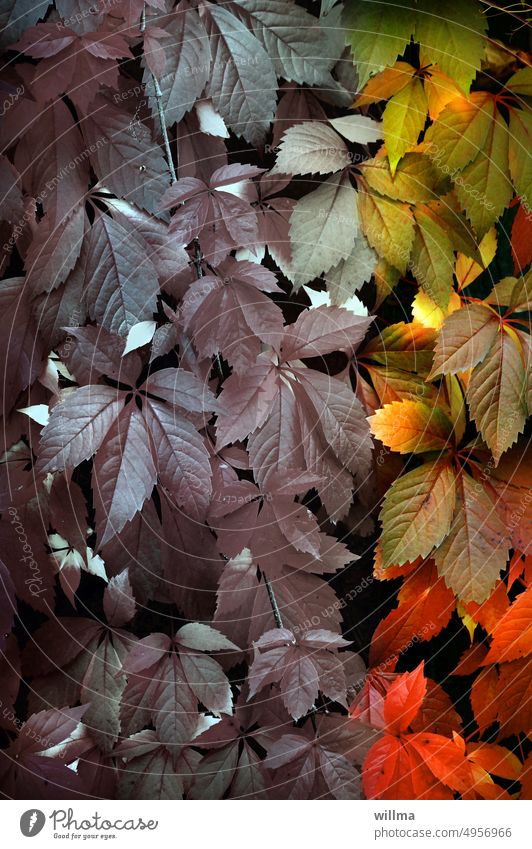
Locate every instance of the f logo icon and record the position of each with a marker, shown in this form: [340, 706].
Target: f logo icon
[32, 822]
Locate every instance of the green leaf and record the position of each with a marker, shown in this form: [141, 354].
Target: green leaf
[433, 259]
[403, 119]
[451, 34]
[460, 131]
[378, 32]
[484, 188]
[417, 513]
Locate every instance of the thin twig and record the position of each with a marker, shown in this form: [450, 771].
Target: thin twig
[273, 602]
[160, 109]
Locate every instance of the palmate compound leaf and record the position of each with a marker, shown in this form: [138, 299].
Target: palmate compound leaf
[417, 512]
[301, 667]
[230, 314]
[475, 550]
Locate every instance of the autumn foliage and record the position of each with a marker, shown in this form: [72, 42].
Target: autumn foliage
[265, 487]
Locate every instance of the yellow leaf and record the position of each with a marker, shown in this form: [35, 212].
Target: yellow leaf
[468, 269]
[430, 314]
[440, 90]
[467, 620]
[411, 427]
[384, 85]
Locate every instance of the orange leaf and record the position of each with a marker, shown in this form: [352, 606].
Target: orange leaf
[403, 699]
[411, 426]
[489, 613]
[437, 713]
[393, 769]
[514, 698]
[471, 659]
[522, 240]
[484, 693]
[425, 607]
[495, 759]
[512, 637]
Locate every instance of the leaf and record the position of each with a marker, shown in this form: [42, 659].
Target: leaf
[417, 513]
[377, 35]
[231, 315]
[17, 16]
[511, 637]
[118, 600]
[519, 135]
[101, 691]
[207, 681]
[453, 39]
[78, 426]
[495, 395]
[21, 348]
[323, 330]
[476, 549]
[242, 83]
[124, 473]
[203, 638]
[412, 426]
[403, 700]
[182, 462]
[514, 711]
[292, 38]
[464, 340]
[484, 188]
[186, 66]
[311, 148]
[433, 259]
[247, 400]
[323, 228]
[123, 284]
[425, 607]
[358, 128]
[460, 131]
[388, 226]
[403, 120]
[128, 164]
